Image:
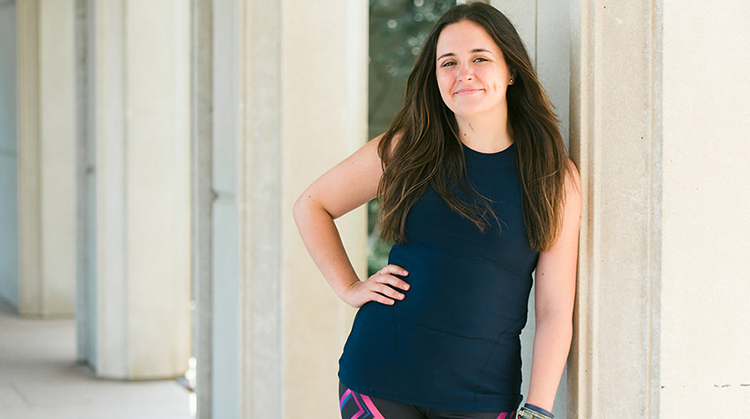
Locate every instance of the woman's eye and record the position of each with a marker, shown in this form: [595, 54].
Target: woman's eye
[480, 59]
[447, 63]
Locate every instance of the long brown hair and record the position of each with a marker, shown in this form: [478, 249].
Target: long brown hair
[421, 148]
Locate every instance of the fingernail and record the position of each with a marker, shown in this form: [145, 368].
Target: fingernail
[406, 287]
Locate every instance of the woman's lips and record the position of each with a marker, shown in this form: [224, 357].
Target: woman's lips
[463, 92]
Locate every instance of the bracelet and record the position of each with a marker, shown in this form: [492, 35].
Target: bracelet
[526, 413]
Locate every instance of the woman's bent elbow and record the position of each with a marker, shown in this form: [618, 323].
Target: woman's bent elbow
[300, 207]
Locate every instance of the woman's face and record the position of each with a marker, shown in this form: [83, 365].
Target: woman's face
[471, 72]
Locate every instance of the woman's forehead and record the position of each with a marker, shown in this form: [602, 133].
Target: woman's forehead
[465, 37]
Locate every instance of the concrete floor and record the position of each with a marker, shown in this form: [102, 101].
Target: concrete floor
[39, 379]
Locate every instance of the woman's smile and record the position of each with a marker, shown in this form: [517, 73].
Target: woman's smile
[468, 91]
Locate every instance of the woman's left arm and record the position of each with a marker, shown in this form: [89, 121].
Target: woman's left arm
[555, 294]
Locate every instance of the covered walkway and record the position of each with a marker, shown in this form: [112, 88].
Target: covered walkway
[40, 379]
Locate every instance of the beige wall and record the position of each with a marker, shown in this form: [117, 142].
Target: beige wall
[705, 361]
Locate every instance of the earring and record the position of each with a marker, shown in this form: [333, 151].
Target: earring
[510, 81]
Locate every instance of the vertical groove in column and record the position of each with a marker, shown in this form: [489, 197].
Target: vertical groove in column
[582, 129]
[593, 17]
[245, 210]
[29, 187]
[655, 198]
[203, 197]
[83, 322]
[126, 113]
[278, 164]
[90, 147]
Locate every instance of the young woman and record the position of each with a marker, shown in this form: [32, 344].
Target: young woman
[477, 193]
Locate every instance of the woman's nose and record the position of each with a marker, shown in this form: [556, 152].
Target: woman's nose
[465, 73]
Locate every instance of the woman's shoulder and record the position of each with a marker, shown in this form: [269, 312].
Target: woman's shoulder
[387, 144]
[572, 176]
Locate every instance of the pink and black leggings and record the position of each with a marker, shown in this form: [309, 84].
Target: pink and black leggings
[359, 406]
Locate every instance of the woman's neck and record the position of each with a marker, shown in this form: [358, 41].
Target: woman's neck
[486, 133]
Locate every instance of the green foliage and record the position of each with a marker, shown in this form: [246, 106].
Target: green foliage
[398, 29]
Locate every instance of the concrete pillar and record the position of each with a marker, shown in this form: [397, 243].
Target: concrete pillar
[289, 102]
[8, 155]
[616, 140]
[661, 298]
[324, 119]
[46, 157]
[141, 94]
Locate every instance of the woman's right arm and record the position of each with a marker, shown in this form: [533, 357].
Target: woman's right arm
[348, 185]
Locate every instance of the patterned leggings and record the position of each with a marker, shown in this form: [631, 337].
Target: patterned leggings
[359, 406]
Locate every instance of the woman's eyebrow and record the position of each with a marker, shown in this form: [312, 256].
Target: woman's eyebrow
[450, 54]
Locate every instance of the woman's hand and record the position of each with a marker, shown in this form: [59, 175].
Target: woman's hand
[378, 288]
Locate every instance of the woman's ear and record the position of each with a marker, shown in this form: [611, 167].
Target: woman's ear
[512, 79]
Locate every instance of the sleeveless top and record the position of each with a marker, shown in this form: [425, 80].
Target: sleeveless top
[453, 342]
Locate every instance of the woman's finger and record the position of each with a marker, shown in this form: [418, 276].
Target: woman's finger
[394, 281]
[393, 270]
[390, 292]
[382, 299]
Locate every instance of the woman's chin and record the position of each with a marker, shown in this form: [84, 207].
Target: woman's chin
[470, 112]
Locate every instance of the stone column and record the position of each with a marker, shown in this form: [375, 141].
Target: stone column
[290, 95]
[141, 84]
[659, 103]
[46, 158]
[616, 140]
[323, 88]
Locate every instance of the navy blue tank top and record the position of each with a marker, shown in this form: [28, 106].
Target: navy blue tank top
[453, 342]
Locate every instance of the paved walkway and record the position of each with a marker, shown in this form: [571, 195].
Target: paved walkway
[39, 379]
